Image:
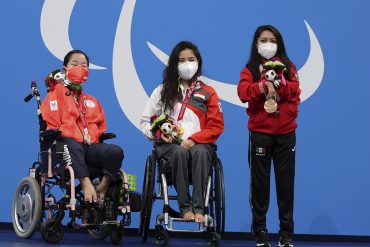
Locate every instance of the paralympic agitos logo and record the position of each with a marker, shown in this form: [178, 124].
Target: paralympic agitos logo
[125, 76]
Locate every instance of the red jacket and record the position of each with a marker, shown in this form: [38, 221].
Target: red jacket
[281, 122]
[60, 112]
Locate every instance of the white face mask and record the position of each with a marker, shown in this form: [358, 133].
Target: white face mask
[267, 50]
[187, 69]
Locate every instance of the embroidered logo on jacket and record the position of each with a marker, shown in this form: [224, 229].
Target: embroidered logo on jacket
[90, 104]
[53, 105]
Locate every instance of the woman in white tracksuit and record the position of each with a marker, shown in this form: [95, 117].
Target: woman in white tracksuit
[196, 107]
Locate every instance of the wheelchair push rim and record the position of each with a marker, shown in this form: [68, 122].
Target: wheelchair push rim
[27, 207]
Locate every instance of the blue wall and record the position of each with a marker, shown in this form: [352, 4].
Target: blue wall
[333, 136]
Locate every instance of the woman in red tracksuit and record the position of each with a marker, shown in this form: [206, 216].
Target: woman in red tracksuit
[81, 120]
[196, 107]
[272, 131]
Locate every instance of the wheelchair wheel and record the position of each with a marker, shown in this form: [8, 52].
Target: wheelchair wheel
[52, 231]
[27, 207]
[220, 198]
[147, 195]
[99, 233]
[213, 239]
[161, 237]
[116, 236]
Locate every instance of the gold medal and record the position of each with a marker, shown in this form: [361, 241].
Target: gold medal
[270, 106]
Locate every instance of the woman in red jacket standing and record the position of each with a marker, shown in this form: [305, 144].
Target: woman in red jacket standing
[269, 83]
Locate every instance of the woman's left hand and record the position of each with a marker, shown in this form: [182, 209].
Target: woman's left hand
[187, 144]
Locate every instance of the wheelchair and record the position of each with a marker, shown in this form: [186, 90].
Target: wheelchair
[214, 205]
[35, 203]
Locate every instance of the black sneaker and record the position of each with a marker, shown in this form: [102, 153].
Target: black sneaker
[262, 239]
[285, 240]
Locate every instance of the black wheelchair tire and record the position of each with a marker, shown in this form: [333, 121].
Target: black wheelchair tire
[36, 206]
[148, 188]
[99, 233]
[220, 198]
[161, 237]
[213, 239]
[116, 236]
[143, 199]
[52, 231]
[223, 198]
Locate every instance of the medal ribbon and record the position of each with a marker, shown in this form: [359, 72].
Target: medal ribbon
[189, 92]
[81, 106]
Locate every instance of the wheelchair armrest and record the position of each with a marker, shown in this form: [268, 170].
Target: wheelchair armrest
[50, 134]
[106, 136]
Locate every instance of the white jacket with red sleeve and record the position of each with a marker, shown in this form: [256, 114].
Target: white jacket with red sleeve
[202, 121]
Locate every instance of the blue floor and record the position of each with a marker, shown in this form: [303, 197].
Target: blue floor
[9, 239]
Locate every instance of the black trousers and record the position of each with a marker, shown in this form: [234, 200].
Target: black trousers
[106, 157]
[280, 149]
[199, 157]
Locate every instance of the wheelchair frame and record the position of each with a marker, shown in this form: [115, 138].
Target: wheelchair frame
[214, 208]
[34, 203]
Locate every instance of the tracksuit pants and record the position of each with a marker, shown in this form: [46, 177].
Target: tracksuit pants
[280, 149]
[199, 157]
[106, 157]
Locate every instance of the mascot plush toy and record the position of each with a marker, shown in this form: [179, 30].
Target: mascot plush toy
[164, 125]
[53, 78]
[57, 76]
[274, 72]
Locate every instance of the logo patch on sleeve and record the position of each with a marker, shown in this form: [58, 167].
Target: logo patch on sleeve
[90, 104]
[53, 105]
[219, 106]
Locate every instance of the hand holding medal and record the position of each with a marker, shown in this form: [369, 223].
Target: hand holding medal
[271, 105]
[274, 76]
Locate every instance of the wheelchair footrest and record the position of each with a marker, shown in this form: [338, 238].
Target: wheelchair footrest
[202, 227]
[111, 223]
[170, 227]
[102, 225]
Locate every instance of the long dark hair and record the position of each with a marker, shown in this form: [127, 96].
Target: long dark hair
[171, 75]
[255, 58]
[69, 55]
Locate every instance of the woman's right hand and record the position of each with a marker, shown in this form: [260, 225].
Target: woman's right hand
[166, 138]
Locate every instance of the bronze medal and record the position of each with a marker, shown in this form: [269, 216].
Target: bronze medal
[270, 106]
